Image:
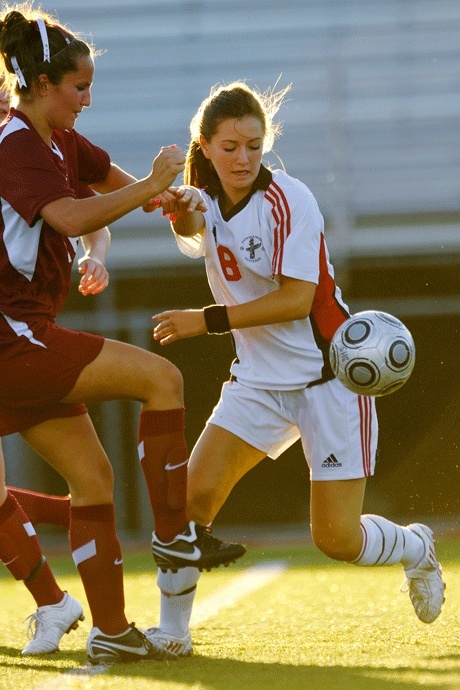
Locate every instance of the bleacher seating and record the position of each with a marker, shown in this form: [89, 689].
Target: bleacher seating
[371, 124]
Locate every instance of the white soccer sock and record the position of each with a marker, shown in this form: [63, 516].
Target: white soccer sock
[385, 543]
[177, 595]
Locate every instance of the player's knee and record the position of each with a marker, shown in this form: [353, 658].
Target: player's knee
[105, 478]
[166, 385]
[94, 488]
[337, 552]
[172, 378]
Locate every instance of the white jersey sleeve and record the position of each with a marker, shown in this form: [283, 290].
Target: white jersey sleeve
[297, 227]
[193, 247]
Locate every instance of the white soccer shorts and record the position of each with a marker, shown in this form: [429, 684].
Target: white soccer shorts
[338, 428]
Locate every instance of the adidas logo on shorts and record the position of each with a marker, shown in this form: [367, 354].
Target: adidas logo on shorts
[331, 461]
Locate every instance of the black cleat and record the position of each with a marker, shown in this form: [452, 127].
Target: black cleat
[129, 646]
[194, 547]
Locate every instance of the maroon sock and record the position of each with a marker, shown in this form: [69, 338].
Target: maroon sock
[21, 553]
[163, 455]
[43, 509]
[96, 552]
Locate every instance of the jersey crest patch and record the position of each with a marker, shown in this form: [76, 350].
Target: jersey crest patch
[252, 248]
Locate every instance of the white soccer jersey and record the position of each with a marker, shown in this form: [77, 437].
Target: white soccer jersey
[277, 230]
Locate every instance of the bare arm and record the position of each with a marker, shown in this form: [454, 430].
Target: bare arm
[292, 301]
[188, 224]
[95, 276]
[77, 217]
[185, 207]
[116, 179]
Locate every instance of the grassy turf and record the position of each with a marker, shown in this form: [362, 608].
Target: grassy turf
[320, 625]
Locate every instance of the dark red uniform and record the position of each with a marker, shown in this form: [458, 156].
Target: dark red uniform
[39, 361]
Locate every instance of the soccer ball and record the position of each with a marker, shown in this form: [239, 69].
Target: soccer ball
[372, 353]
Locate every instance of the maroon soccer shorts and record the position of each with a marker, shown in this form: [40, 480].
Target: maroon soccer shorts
[39, 365]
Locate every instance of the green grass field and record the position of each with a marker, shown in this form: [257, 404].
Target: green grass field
[317, 625]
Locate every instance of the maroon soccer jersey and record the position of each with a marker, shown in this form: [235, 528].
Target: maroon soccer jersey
[35, 259]
[39, 361]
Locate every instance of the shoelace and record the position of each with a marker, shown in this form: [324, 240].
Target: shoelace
[34, 621]
[139, 634]
[405, 586]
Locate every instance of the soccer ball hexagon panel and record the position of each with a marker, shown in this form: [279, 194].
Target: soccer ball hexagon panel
[372, 353]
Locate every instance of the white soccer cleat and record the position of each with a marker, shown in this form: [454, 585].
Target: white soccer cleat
[424, 582]
[49, 623]
[178, 646]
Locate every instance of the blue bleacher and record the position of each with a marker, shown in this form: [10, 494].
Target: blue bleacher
[371, 123]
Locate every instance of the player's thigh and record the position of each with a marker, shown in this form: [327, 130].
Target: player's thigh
[71, 446]
[124, 371]
[335, 511]
[218, 461]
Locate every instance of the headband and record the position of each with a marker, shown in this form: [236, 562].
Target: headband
[44, 36]
[41, 26]
[18, 72]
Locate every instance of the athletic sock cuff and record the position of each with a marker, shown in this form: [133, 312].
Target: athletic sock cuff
[97, 513]
[157, 422]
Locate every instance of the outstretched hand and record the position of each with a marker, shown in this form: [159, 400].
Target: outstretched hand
[189, 199]
[175, 200]
[175, 325]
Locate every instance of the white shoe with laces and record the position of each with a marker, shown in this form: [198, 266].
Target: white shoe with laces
[424, 581]
[178, 646]
[49, 623]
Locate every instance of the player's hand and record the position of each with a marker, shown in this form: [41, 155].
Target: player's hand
[174, 325]
[189, 199]
[166, 201]
[175, 200]
[151, 205]
[167, 165]
[95, 276]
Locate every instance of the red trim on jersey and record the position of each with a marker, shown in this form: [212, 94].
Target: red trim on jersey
[327, 313]
[365, 413]
[282, 215]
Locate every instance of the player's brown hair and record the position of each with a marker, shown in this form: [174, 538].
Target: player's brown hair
[20, 40]
[234, 100]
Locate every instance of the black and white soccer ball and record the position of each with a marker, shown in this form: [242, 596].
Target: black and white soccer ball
[372, 353]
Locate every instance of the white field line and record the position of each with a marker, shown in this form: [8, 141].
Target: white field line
[248, 581]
